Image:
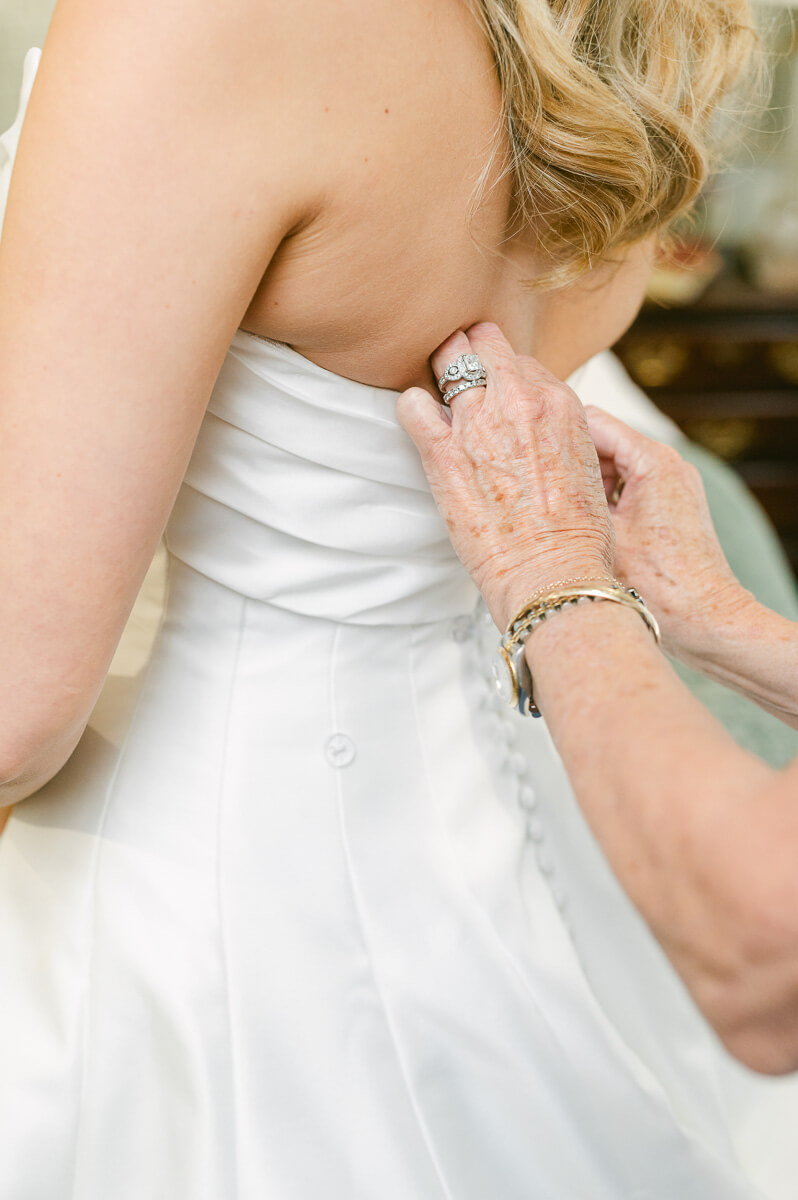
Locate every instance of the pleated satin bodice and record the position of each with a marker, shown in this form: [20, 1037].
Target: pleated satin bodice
[304, 491]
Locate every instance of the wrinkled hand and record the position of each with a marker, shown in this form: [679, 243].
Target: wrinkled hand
[666, 545]
[514, 473]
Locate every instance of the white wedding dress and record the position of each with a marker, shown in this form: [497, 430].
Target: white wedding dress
[309, 913]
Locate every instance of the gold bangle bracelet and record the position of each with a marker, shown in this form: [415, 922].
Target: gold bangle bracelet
[512, 644]
[552, 601]
[557, 584]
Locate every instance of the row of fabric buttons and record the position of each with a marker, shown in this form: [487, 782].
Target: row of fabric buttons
[480, 631]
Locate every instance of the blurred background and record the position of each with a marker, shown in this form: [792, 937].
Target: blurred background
[23, 23]
[715, 348]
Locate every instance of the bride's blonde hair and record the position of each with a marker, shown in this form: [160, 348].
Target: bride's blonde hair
[608, 107]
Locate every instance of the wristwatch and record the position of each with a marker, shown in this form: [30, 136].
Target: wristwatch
[509, 666]
[513, 678]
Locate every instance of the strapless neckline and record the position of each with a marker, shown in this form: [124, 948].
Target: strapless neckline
[292, 355]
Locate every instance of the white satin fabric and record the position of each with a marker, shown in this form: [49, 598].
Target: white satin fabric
[309, 912]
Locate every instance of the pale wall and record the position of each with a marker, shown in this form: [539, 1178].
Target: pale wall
[23, 23]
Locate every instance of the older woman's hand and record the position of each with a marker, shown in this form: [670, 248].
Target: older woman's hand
[666, 544]
[514, 473]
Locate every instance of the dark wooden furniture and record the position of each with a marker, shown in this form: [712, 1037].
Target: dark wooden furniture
[725, 368]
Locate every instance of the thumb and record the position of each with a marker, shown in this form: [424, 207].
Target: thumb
[424, 418]
[627, 449]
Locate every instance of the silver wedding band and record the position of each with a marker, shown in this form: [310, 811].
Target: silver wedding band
[466, 367]
[463, 387]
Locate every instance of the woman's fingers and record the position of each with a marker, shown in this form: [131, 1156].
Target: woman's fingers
[492, 346]
[665, 541]
[629, 457]
[617, 444]
[486, 340]
[448, 352]
[424, 418]
[457, 343]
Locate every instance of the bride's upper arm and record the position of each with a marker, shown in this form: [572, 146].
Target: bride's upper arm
[163, 157]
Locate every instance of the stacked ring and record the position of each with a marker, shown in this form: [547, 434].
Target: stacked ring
[466, 367]
[463, 387]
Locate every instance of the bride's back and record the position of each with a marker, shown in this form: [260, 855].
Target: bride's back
[387, 265]
[580, 124]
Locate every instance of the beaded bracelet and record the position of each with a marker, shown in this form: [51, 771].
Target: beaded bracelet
[579, 581]
[511, 646]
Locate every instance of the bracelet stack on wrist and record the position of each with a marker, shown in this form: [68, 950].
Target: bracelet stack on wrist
[515, 680]
[559, 584]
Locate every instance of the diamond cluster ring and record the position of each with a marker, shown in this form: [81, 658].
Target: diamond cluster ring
[468, 368]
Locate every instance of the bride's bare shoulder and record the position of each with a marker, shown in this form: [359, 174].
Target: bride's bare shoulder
[291, 66]
[311, 42]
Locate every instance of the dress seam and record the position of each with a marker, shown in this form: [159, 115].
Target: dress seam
[427, 1140]
[95, 871]
[223, 954]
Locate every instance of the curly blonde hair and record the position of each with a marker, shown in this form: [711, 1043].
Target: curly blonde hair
[608, 105]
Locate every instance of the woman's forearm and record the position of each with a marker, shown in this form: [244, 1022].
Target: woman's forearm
[672, 801]
[751, 649]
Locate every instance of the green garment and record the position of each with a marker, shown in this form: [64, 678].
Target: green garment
[756, 556]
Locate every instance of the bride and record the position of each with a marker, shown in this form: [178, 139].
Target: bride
[315, 913]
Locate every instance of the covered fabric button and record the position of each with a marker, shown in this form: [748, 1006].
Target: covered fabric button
[517, 763]
[545, 862]
[527, 798]
[339, 750]
[508, 732]
[462, 628]
[534, 828]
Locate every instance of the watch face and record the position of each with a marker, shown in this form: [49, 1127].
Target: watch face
[504, 679]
